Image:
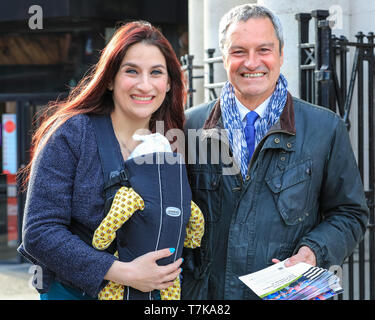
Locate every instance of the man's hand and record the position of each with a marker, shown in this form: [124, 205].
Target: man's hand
[304, 254]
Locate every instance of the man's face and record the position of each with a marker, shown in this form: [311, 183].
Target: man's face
[252, 60]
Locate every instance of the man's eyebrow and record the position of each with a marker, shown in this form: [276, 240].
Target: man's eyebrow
[267, 44]
[235, 47]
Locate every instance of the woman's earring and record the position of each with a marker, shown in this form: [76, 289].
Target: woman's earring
[110, 87]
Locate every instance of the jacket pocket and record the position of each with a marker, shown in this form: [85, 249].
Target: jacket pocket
[206, 193]
[291, 191]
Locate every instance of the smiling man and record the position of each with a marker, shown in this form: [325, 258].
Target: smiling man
[252, 59]
[297, 193]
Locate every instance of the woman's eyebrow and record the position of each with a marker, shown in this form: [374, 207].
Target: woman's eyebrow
[159, 66]
[134, 65]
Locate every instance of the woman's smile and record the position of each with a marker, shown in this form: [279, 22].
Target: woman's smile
[142, 99]
[141, 84]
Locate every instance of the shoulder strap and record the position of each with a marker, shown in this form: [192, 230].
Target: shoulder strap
[113, 172]
[111, 159]
[107, 145]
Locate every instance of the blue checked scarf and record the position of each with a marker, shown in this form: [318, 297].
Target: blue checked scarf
[233, 123]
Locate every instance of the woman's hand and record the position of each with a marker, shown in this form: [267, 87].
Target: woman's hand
[143, 273]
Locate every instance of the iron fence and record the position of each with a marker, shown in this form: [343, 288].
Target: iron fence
[209, 82]
[323, 80]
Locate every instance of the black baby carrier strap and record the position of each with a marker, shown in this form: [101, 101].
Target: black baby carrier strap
[114, 175]
[110, 157]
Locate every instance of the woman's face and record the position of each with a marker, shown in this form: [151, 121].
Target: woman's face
[141, 83]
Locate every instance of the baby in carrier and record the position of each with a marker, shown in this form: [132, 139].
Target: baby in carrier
[153, 212]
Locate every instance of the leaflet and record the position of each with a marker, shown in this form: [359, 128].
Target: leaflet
[299, 282]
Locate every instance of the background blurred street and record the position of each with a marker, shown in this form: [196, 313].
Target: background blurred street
[14, 282]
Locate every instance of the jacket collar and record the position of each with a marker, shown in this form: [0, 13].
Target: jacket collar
[285, 123]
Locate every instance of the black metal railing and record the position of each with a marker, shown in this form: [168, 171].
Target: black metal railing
[323, 80]
[188, 69]
[209, 82]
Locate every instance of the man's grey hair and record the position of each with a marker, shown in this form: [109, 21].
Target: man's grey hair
[243, 13]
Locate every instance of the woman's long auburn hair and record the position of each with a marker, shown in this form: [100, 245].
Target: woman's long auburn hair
[91, 95]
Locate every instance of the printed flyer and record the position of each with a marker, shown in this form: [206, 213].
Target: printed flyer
[299, 282]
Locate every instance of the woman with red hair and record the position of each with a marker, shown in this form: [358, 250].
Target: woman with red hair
[137, 82]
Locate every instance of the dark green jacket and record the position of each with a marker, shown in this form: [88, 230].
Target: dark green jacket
[302, 188]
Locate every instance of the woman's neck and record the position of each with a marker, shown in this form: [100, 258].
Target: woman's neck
[125, 126]
[124, 129]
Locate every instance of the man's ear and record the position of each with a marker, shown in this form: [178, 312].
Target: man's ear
[224, 61]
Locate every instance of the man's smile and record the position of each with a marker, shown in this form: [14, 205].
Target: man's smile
[253, 75]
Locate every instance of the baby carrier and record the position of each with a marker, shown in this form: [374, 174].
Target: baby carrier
[161, 180]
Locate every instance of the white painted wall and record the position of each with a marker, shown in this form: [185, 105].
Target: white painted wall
[196, 45]
[362, 14]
